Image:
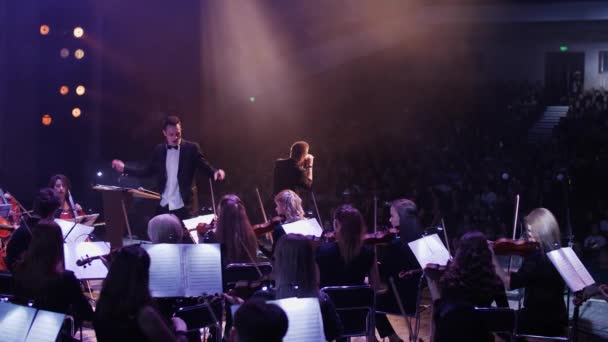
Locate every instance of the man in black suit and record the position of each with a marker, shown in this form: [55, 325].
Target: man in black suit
[174, 163]
[294, 173]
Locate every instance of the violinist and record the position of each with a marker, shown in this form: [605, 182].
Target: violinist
[233, 231]
[68, 209]
[46, 204]
[399, 259]
[347, 261]
[174, 163]
[288, 205]
[544, 311]
[469, 281]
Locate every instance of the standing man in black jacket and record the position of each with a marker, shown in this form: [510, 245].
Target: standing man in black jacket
[295, 172]
[174, 163]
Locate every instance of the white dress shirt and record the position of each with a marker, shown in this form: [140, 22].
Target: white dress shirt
[171, 196]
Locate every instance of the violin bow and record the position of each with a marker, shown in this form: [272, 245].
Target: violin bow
[212, 196]
[375, 213]
[257, 191]
[314, 201]
[514, 229]
[445, 236]
[72, 205]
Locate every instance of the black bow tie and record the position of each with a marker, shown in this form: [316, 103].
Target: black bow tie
[171, 147]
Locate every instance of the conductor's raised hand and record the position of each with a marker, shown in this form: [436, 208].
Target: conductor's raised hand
[219, 175]
[118, 165]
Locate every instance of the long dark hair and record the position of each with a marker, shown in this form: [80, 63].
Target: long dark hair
[295, 269]
[126, 288]
[409, 225]
[234, 230]
[352, 228]
[42, 262]
[472, 269]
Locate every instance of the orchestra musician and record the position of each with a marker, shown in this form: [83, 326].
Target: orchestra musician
[469, 281]
[68, 209]
[288, 205]
[46, 205]
[174, 163]
[165, 228]
[399, 259]
[544, 311]
[41, 276]
[294, 173]
[125, 309]
[233, 231]
[296, 275]
[347, 261]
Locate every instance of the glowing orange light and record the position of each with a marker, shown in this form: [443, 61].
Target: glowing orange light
[76, 112]
[64, 90]
[46, 119]
[78, 32]
[44, 30]
[79, 54]
[80, 90]
[64, 53]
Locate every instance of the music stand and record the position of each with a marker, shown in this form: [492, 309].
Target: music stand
[115, 201]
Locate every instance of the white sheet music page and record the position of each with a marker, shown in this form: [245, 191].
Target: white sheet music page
[430, 250]
[570, 268]
[75, 232]
[79, 250]
[15, 322]
[193, 222]
[305, 321]
[46, 326]
[304, 227]
[166, 270]
[203, 269]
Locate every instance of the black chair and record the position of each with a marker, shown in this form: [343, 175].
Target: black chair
[498, 320]
[6, 282]
[401, 301]
[356, 307]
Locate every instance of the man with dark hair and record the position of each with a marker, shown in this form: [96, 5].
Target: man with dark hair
[295, 172]
[258, 321]
[174, 162]
[46, 204]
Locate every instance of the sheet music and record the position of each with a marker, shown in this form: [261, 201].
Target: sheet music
[193, 222]
[570, 268]
[304, 227]
[430, 250]
[15, 321]
[166, 270]
[203, 269]
[78, 250]
[305, 320]
[46, 326]
[79, 233]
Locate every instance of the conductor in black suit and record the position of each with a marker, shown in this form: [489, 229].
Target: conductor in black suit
[294, 173]
[174, 163]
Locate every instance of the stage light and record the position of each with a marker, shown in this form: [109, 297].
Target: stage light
[563, 48]
[76, 112]
[46, 119]
[252, 99]
[44, 30]
[79, 54]
[78, 32]
[80, 90]
[99, 174]
[64, 90]
[64, 53]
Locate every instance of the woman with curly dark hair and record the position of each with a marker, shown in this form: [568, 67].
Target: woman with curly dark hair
[470, 281]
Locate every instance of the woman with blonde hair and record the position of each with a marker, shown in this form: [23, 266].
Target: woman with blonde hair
[289, 207]
[544, 311]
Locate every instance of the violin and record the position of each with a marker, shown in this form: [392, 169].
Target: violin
[505, 246]
[86, 261]
[268, 226]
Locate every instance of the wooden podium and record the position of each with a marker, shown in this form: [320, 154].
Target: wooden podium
[115, 201]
